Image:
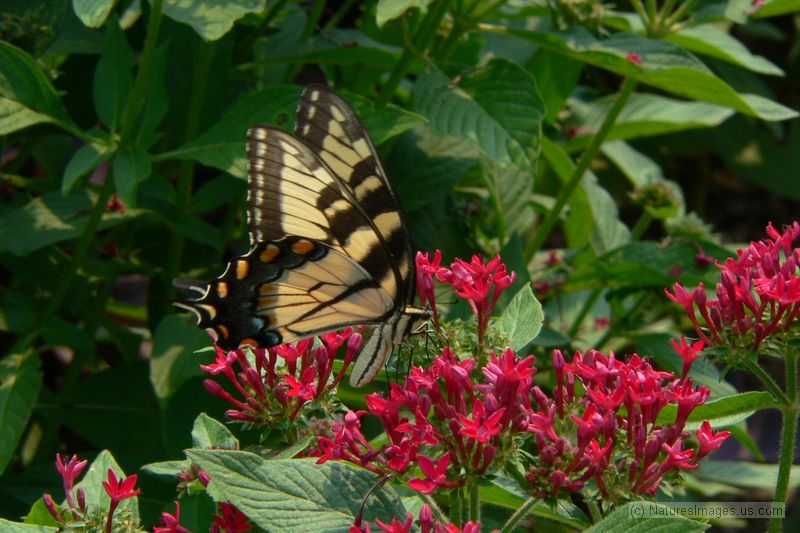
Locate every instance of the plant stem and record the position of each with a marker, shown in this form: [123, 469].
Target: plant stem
[788, 438]
[543, 231]
[474, 502]
[767, 380]
[339, 15]
[456, 505]
[518, 515]
[641, 225]
[136, 99]
[423, 38]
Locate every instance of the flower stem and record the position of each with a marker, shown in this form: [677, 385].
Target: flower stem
[788, 438]
[767, 380]
[518, 515]
[474, 501]
[552, 217]
[456, 505]
[422, 39]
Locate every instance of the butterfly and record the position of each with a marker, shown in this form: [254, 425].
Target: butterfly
[329, 243]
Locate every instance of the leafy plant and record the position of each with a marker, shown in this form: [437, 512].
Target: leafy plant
[576, 140]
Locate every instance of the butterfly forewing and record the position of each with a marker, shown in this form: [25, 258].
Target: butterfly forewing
[331, 127]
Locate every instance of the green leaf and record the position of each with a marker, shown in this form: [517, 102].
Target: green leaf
[646, 517]
[26, 95]
[773, 8]
[101, 401]
[39, 515]
[93, 13]
[497, 109]
[173, 361]
[723, 411]
[97, 500]
[20, 382]
[387, 10]
[86, 159]
[644, 115]
[217, 192]
[222, 146]
[208, 433]
[130, 168]
[556, 78]
[522, 318]
[663, 65]
[710, 40]
[422, 161]
[7, 526]
[596, 221]
[503, 491]
[744, 474]
[295, 494]
[384, 123]
[211, 19]
[637, 167]
[52, 218]
[167, 468]
[113, 77]
[358, 56]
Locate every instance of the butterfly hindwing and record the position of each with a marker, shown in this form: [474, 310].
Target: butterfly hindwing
[287, 289]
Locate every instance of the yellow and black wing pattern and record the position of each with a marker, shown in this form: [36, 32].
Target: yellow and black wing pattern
[329, 244]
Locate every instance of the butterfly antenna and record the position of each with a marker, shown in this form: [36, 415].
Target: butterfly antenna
[381, 482]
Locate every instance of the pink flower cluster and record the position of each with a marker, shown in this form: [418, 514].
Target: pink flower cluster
[758, 295]
[454, 421]
[278, 381]
[481, 284]
[426, 522]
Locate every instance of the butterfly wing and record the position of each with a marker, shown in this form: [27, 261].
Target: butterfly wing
[286, 289]
[335, 132]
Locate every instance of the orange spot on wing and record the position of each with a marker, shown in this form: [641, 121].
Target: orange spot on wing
[222, 331]
[242, 269]
[222, 289]
[269, 253]
[249, 342]
[302, 247]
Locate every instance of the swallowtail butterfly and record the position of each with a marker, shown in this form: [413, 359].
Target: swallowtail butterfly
[329, 244]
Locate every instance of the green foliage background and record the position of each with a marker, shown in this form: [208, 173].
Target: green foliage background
[485, 113]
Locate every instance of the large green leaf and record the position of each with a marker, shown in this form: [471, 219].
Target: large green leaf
[211, 19]
[173, 360]
[643, 115]
[7, 526]
[20, 381]
[222, 146]
[646, 517]
[384, 123]
[773, 8]
[113, 77]
[496, 108]
[663, 65]
[295, 494]
[97, 500]
[744, 474]
[208, 433]
[84, 160]
[52, 218]
[710, 40]
[26, 95]
[722, 411]
[422, 161]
